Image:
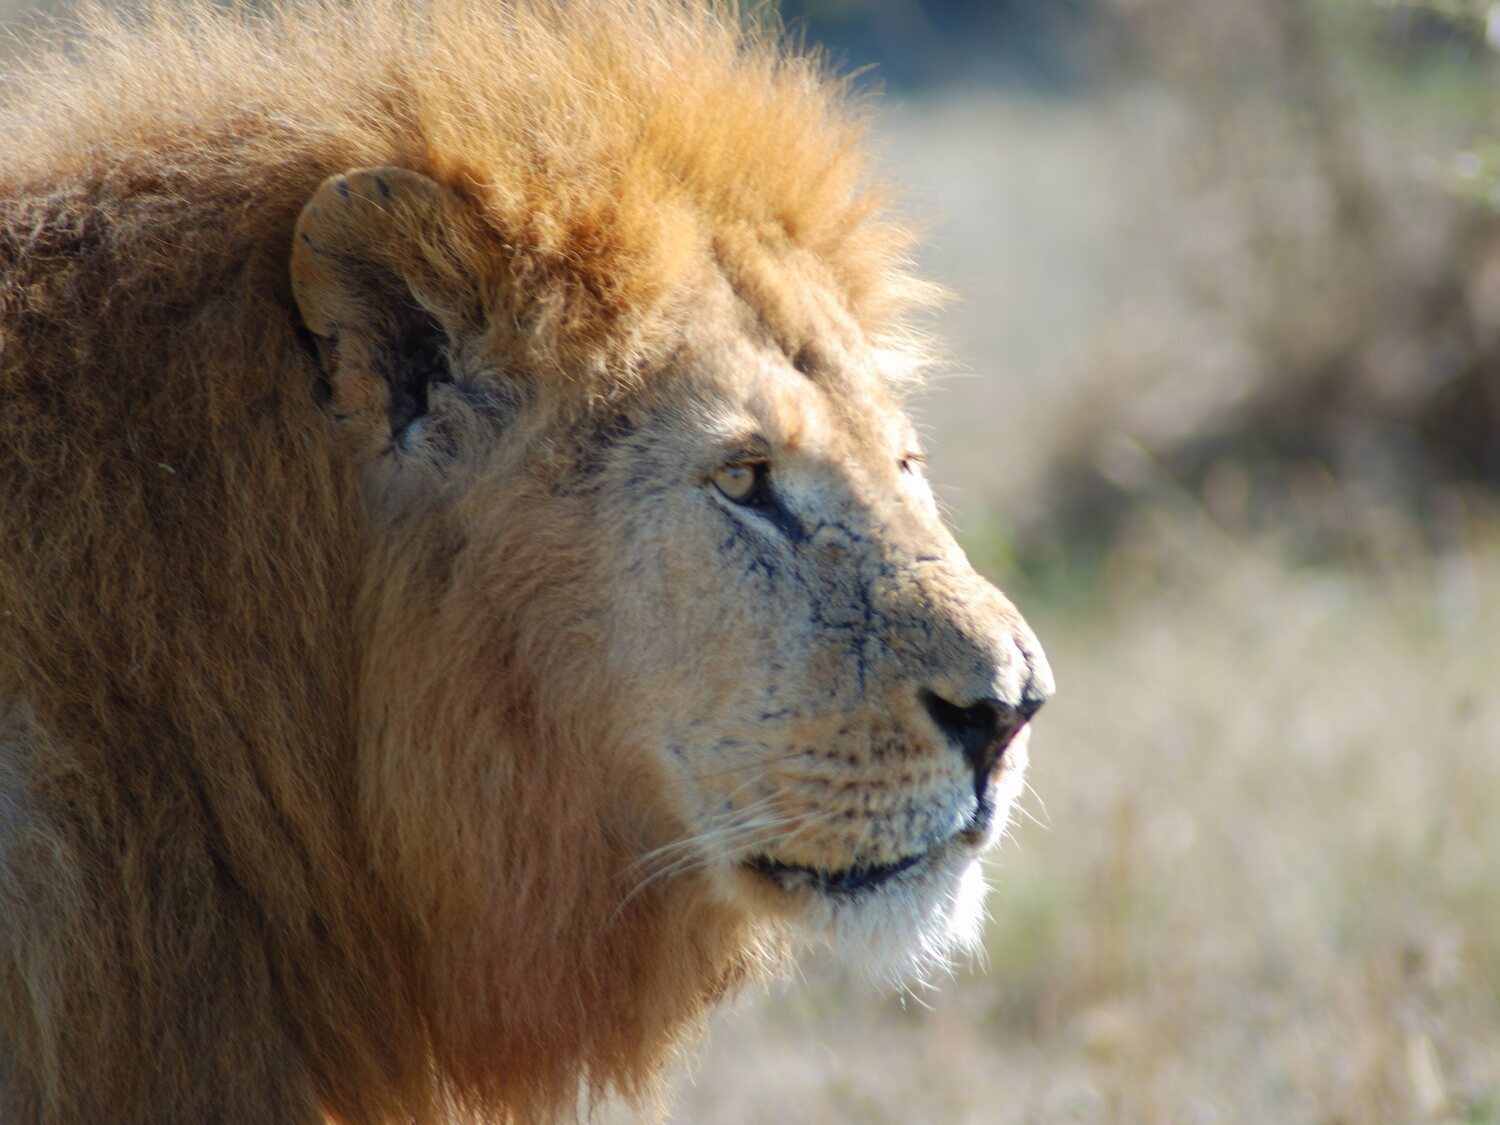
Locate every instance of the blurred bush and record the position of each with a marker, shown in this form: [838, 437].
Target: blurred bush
[1336, 235]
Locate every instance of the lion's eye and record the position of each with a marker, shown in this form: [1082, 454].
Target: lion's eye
[740, 481]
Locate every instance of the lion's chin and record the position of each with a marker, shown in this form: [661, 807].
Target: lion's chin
[897, 922]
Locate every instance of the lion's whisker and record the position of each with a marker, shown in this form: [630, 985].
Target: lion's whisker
[1030, 791]
[754, 819]
[735, 820]
[696, 855]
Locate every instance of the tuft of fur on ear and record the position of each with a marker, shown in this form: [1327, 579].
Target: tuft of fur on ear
[384, 273]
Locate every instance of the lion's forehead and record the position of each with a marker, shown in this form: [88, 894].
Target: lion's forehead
[817, 388]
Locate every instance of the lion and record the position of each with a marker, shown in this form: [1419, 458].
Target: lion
[469, 595]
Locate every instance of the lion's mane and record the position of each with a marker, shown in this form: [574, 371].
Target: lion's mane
[192, 913]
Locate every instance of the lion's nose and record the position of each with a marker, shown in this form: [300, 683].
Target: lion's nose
[984, 729]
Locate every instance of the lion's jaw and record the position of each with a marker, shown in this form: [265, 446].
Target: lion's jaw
[809, 655]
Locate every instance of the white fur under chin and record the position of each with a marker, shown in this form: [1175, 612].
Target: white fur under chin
[902, 935]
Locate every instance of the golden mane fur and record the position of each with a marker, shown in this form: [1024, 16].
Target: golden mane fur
[193, 913]
[605, 141]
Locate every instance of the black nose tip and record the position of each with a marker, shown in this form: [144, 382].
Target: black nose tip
[1032, 698]
[982, 730]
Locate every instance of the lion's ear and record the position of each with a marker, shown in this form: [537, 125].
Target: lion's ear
[384, 274]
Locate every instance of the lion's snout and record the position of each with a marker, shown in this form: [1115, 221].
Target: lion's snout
[984, 670]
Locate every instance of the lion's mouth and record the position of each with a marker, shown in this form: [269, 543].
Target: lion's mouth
[863, 877]
[849, 881]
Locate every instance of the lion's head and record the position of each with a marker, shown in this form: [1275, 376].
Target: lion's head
[828, 693]
[722, 583]
[477, 597]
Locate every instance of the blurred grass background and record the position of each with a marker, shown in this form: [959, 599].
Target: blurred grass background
[1224, 417]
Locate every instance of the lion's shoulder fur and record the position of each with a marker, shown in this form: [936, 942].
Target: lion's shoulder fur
[177, 578]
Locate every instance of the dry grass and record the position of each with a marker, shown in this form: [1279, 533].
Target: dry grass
[1265, 886]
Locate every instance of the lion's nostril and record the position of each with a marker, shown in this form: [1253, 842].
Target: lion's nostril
[981, 730]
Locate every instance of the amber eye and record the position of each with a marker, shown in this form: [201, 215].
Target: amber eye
[738, 481]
